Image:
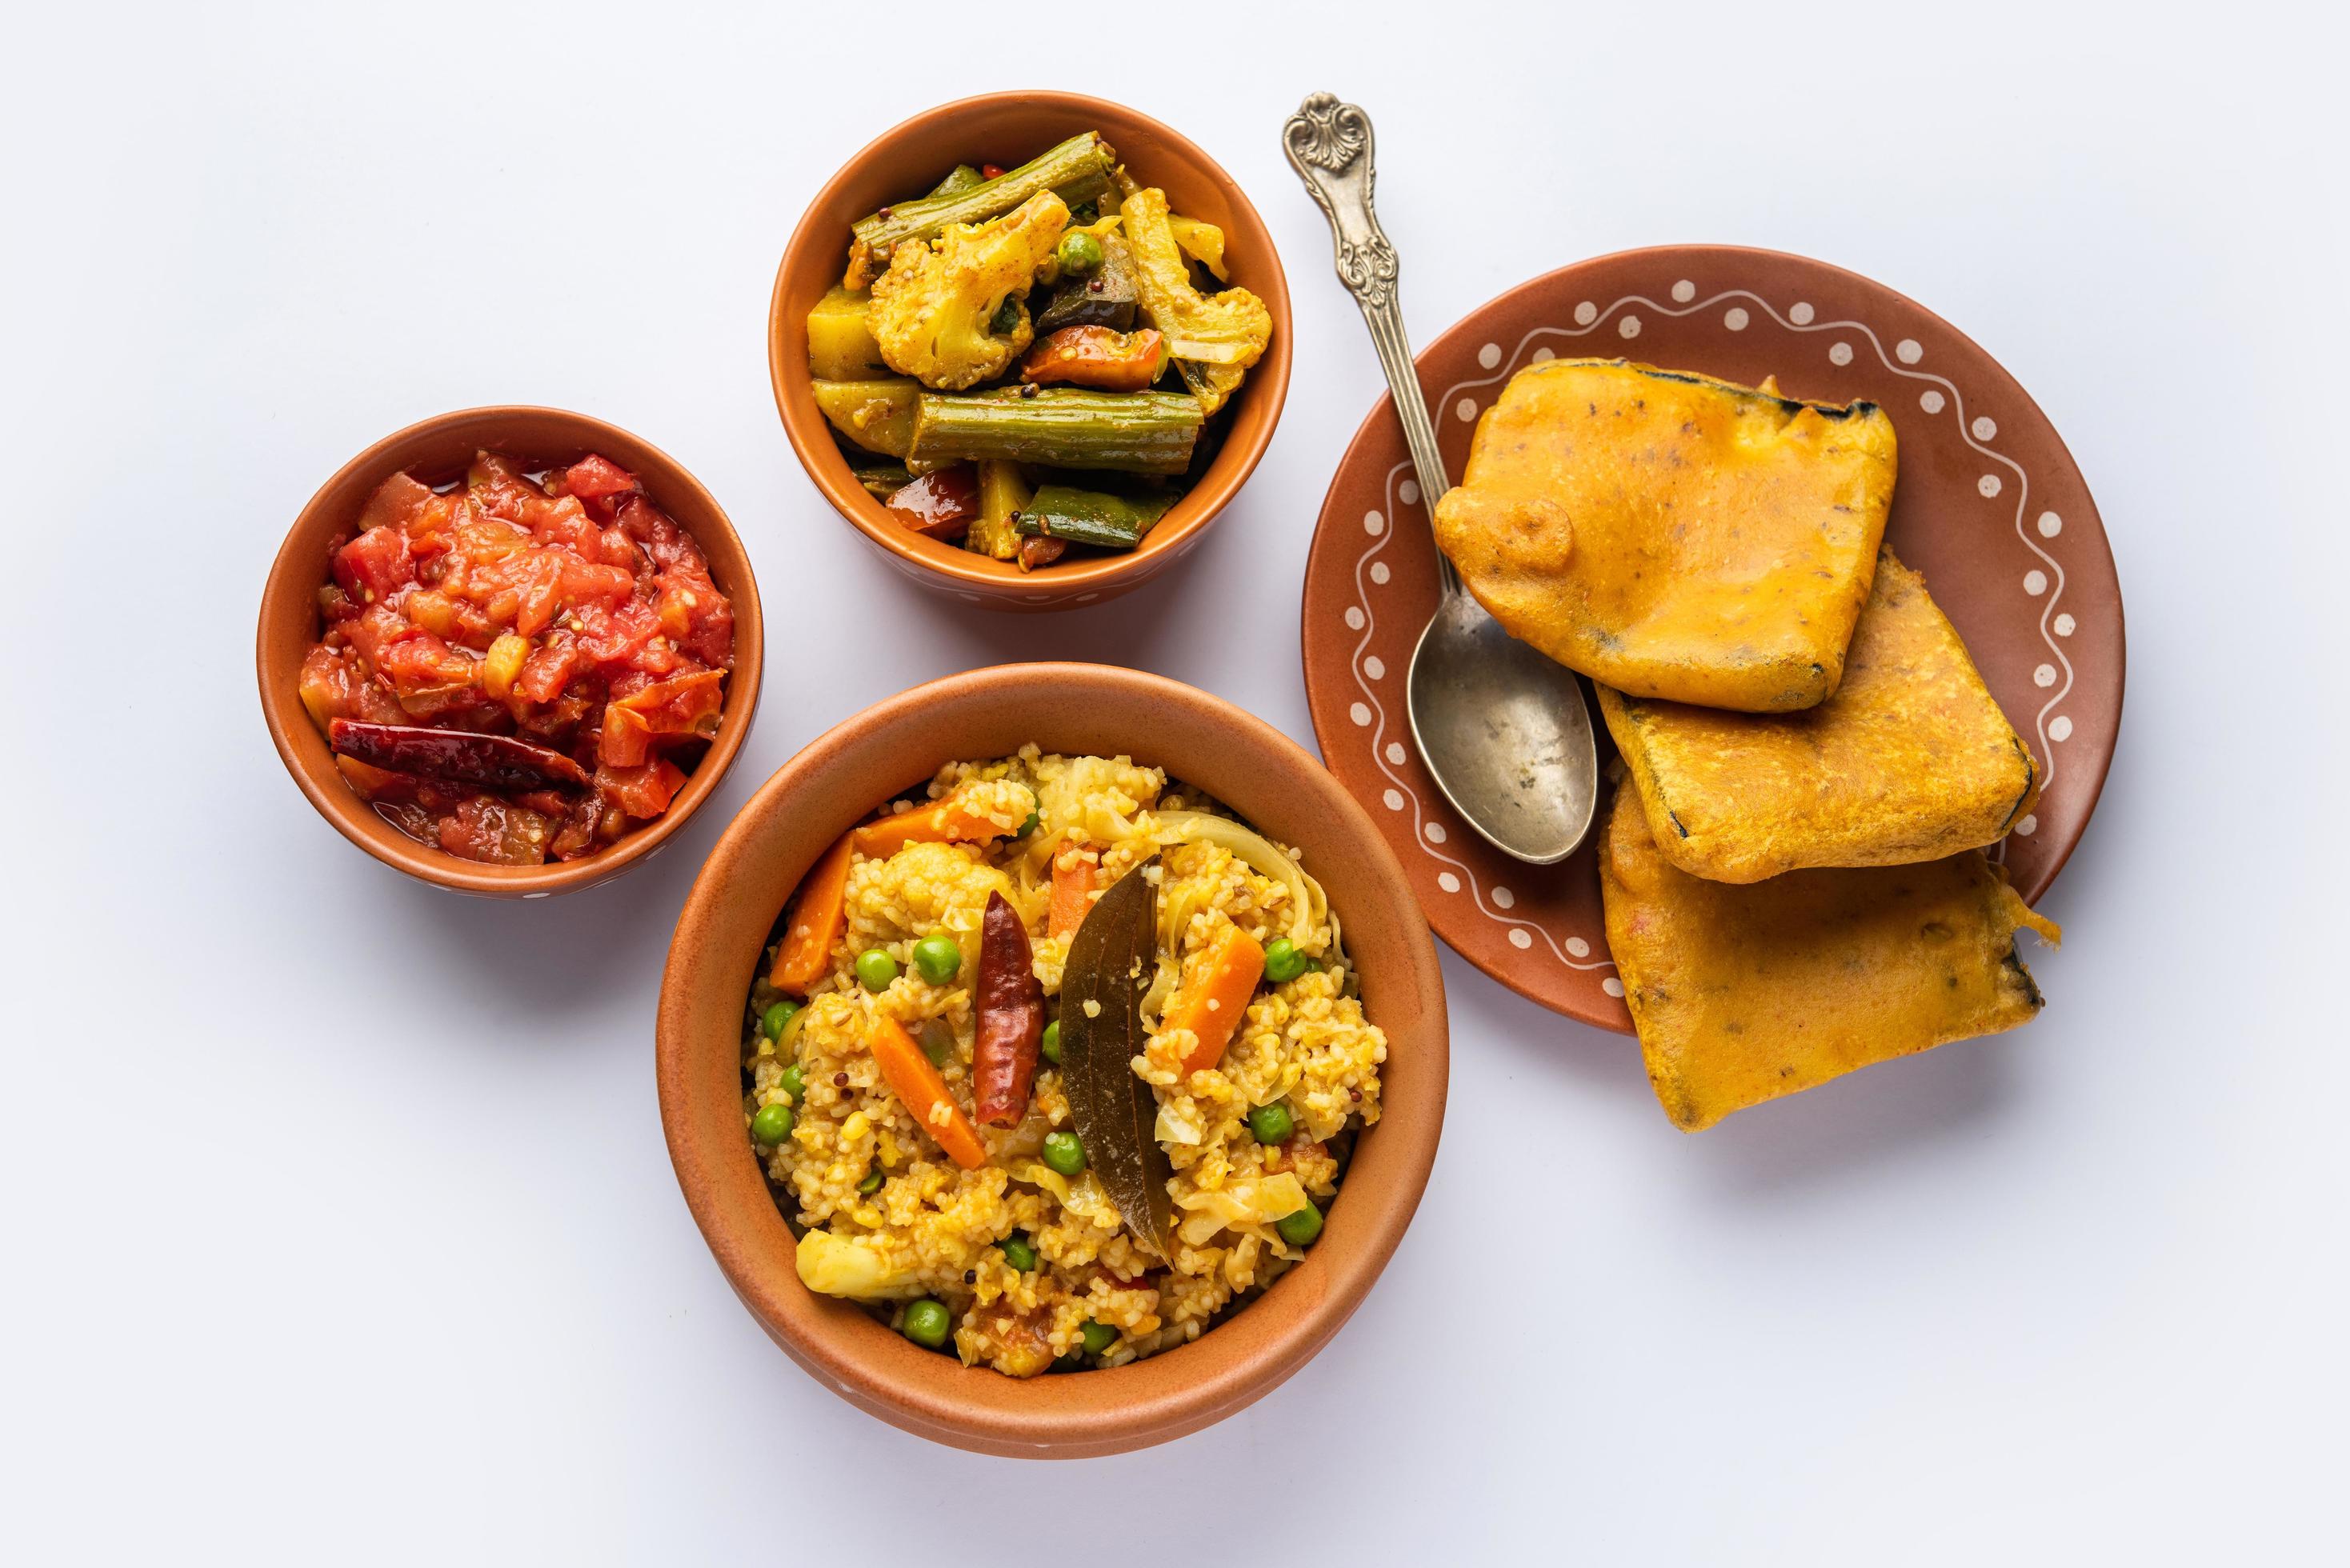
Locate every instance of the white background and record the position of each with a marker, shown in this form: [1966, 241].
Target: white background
[338, 1224]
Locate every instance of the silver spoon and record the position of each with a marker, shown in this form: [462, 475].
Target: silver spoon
[1505, 730]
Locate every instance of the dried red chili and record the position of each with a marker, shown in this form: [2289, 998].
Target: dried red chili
[1010, 1017]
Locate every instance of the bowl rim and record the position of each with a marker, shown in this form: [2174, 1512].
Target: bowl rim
[951, 567]
[300, 557]
[1244, 1355]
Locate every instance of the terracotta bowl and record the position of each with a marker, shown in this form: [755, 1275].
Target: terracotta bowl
[880, 754]
[437, 449]
[1009, 129]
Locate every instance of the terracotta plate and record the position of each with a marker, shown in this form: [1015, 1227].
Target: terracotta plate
[1989, 506]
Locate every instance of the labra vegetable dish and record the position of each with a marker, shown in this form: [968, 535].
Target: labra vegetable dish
[1034, 360]
[1057, 1063]
[523, 664]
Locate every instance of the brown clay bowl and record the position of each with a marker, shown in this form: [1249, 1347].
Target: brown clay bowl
[436, 450]
[878, 755]
[1009, 129]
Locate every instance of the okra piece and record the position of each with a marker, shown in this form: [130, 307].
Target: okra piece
[1060, 427]
[1078, 169]
[1092, 517]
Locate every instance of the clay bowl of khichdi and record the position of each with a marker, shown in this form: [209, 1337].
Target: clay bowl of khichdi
[1052, 1056]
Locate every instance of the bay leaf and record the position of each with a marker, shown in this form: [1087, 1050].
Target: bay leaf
[1112, 959]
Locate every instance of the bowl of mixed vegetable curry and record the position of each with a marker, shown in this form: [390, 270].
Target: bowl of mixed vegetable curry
[1030, 345]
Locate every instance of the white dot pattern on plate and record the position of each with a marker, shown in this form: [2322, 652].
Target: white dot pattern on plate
[1985, 427]
[1519, 939]
[1435, 833]
[1448, 881]
[1542, 356]
[1374, 524]
[1930, 401]
[1408, 493]
[2035, 583]
[2065, 624]
[2059, 728]
[1988, 485]
[1490, 354]
[1503, 898]
[1394, 798]
[1376, 668]
[1628, 327]
[1907, 351]
[1800, 313]
[1465, 410]
[1735, 318]
[1684, 291]
[1379, 572]
[1360, 713]
[1840, 354]
[1395, 753]
[2027, 827]
[1612, 986]
[1578, 948]
[2044, 676]
[2051, 524]
[1354, 617]
[1586, 314]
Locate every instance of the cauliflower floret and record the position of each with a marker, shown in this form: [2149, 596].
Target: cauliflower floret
[932, 310]
[1231, 329]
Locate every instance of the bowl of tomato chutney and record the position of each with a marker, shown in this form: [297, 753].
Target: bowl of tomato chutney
[510, 650]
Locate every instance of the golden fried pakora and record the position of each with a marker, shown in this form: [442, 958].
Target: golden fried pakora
[1674, 535]
[1910, 759]
[1741, 994]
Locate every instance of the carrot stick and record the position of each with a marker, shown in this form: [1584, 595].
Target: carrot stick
[1075, 871]
[941, 821]
[819, 911]
[921, 1090]
[1218, 996]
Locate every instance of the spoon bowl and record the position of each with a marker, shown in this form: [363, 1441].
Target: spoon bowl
[1505, 732]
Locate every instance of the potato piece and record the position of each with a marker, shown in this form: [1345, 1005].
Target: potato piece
[877, 415]
[1674, 535]
[1912, 759]
[1744, 993]
[840, 343]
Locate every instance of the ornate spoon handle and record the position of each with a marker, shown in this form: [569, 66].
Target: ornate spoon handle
[1330, 145]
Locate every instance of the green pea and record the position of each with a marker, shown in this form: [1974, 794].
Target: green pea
[936, 1037]
[1300, 1229]
[1272, 1123]
[1063, 1153]
[1079, 254]
[938, 958]
[793, 1082]
[773, 1123]
[926, 1323]
[1052, 1043]
[1283, 961]
[776, 1017]
[1098, 1336]
[876, 970]
[872, 1182]
[1018, 1253]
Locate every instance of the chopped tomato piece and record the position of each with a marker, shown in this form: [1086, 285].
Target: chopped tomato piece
[941, 504]
[371, 568]
[595, 478]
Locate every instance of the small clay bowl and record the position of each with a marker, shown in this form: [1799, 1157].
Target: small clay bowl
[437, 449]
[880, 755]
[1009, 129]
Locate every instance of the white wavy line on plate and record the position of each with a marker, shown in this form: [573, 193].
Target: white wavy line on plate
[1378, 730]
[1508, 366]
